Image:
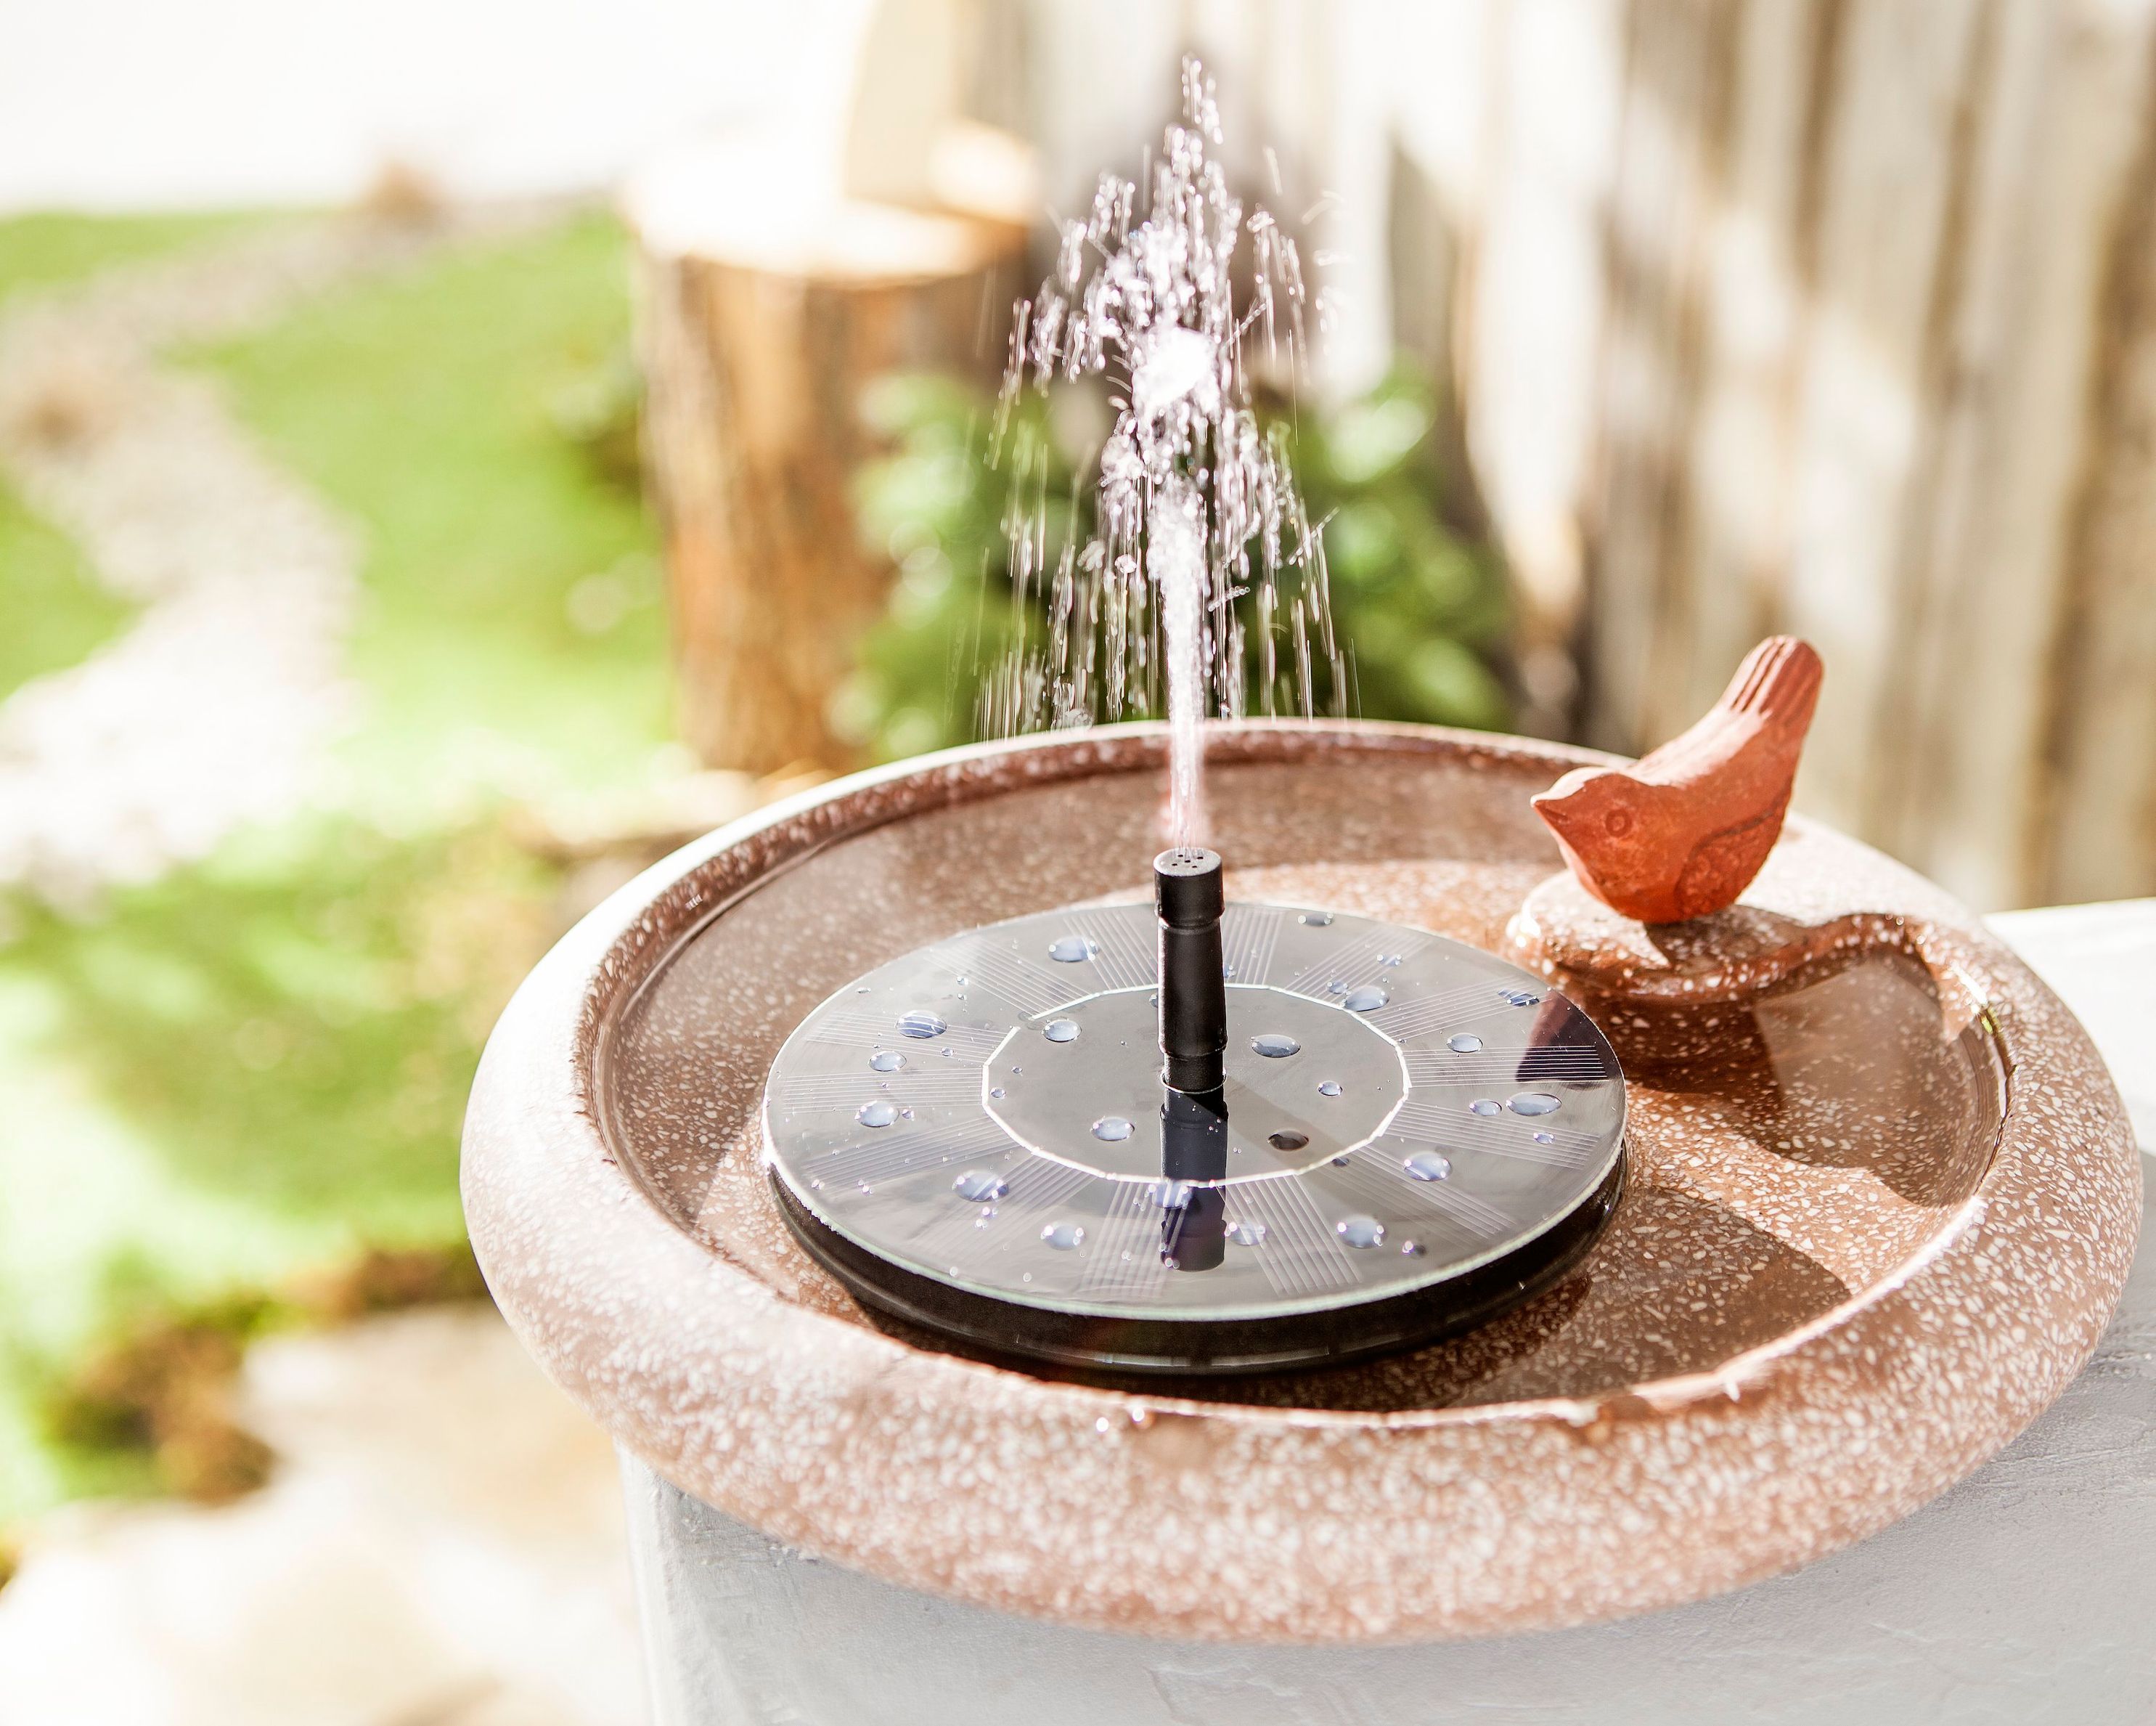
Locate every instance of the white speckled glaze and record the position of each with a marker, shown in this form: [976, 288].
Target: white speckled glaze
[1876, 1221]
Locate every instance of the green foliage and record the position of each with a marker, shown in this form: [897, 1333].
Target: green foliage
[253, 1072]
[1417, 607]
[513, 636]
[53, 248]
[250, 1069]
[55, 610]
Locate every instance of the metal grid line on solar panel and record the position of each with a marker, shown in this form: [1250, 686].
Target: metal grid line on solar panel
[866, 1162]
[1124, 936]
[1347, 964]
[1405, 1021]
[1504, 1067]
[1383, 1181]
[1300, 1254]
[1248, 936]
[945, 1082]
[1569, 1151]
[949, 1237]
[1431, 1117]
[1038, 1193]
[1124, 1254]
[1025, 985]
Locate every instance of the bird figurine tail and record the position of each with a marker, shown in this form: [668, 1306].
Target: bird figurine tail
[1680, 832]
[1779, 680]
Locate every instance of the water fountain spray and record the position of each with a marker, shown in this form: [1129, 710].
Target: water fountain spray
[1203, 583]
[1192, 1136]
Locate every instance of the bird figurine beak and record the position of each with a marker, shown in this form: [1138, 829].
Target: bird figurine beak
[1559, 805]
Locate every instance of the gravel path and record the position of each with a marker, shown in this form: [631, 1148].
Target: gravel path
[209, 711]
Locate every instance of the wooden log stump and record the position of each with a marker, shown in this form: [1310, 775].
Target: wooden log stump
[763, 311]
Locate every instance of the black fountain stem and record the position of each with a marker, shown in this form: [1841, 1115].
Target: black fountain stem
[1193, 990]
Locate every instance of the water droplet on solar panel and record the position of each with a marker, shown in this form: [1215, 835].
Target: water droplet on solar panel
[1484, 1106]
[980, 1186]
[1063, 1236]
[1366, 1000]
[922, 1023]
[1427, 1165]
[1285, 1140]
[1275, 1045]
[886, 1060]
[1464, 1042]
[1061, 1030]
[1318, 919]
[1411, 1249]
[996, 1092]
[1535, 1103]
[1545, 1138]
[1247, 1233]
[1114, 1129]
[1360, 1230]
[877, 1114]
[1329, 1088]
[1069, 949]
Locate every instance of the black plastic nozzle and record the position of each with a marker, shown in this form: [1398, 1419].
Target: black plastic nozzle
[1193, 992]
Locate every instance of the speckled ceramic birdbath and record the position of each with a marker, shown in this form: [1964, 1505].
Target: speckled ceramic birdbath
[1878, 1196]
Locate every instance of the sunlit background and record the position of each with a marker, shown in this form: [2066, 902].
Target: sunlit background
[390, 566]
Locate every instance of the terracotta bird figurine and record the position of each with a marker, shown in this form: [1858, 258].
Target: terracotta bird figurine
[1680, 832]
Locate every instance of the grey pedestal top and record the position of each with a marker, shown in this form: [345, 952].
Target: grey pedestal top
[2026, 1594]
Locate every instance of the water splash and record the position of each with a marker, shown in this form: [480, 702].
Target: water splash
[1196, 504]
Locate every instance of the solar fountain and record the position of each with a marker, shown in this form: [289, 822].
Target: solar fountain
[987, 1232]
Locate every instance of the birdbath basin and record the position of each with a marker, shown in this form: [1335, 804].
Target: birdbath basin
[1876, 1211]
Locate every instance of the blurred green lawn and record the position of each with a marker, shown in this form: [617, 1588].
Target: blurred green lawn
[256, 1067]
